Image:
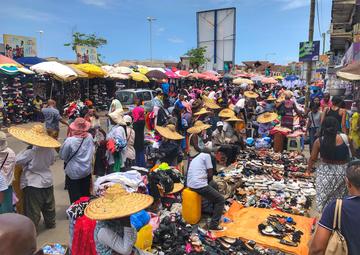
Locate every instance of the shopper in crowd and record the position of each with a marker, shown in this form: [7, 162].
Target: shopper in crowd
[52, 118]
[37, 102]
[350, 221]
[336, 112]
[200, 179]
[286, 109]
[313, 123]
[334, 150]
[117, 141]
[354, 133]
[325, 102]
[138, 115]
[115, 105]
[7, 167]
[130, 139]
[77, 153]
[36, 179]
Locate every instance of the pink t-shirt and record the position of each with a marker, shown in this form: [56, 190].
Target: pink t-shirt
[324, 105]
[138, 113]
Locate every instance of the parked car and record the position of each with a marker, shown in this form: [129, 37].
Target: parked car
[127, 98]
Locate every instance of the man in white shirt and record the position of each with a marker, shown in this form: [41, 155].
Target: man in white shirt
[199, 179]
[37, 183]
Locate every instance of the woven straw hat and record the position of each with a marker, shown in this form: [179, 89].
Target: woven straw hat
[117, 203]
[201, 112]
[177, 188]
[271, 98]
[281, 98]
[234, 119]
[36, 136]
[267, 117]
[250, 94]
[226, 113]
[118, 117]
[198, 127]
[169, 132]
[210, 103]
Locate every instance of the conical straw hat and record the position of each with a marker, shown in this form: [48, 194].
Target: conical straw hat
[226, 113]
[250, 94]
[267, 117]
[234, 119]
[36, 136]
[201, 112]
[210, 103]
[169, 132]
[198, 127]
[177, 187]
[117, 204]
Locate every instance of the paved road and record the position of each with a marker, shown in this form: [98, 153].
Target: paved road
[61, 233]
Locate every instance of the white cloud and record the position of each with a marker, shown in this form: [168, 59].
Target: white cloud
[98, 3]
[293, 4]
[176, 40]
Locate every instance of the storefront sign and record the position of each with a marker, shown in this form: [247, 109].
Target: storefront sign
[85, 54]
[309, 51]
[19, 46]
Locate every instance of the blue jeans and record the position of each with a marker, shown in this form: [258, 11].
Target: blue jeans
[139, 158]
[313, 135]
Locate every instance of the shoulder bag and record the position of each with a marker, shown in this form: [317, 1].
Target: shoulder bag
[337, 243]
[66, 162]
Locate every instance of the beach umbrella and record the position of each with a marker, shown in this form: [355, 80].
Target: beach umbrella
[197, 76]
[123, 69]
[79, 73]
[170, 74]
[8, 61]
[30, 61]
[279, 77]
[156, 75]
[257, 78]
[142, 69]
[239, 81]
[211, 72]
[182, 73]
[93, 71]
[139, 77]
[9, 70]
[114, 73]
[291, 78]
[269, 80]
[55, 69]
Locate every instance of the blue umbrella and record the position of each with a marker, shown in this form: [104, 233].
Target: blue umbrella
[30, 61]
[291, 78]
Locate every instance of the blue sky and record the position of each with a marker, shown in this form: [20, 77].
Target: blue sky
[263, 26]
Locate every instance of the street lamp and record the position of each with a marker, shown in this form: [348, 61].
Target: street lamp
[151, 20]
[41, 32]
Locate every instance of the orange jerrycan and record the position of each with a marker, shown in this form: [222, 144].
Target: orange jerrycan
[144, 238]
[191, 206]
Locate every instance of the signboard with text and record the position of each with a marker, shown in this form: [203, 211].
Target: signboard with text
[309, 51]
[86, 54]
[19, 46]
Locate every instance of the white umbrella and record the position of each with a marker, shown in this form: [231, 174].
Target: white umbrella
[123, 70]
[59, 71]
[239, 81]
[115, 73]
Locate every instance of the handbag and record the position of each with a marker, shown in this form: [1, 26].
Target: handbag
[337, 243]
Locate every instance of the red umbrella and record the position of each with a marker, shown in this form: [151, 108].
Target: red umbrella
[182, 73]
[172, 75]
[8, 61]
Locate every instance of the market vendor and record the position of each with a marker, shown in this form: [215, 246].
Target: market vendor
[114, 233]
[265, 121]
[200, 179]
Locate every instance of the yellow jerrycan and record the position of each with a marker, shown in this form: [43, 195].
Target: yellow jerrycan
[191, 206]
[144, 238]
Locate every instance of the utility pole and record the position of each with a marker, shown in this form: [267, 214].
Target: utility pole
[310, 63]
[324, 39]
[151, 19]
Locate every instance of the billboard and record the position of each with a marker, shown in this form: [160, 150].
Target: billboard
[216, 30]
[86, 54]
[309, 51]
[19, 46]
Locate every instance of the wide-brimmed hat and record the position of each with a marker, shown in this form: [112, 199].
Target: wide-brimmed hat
[233, 119]
[117, 203]
[128, 119]
[118, 117]
[226, 113]
[281, 98]
[169, 132]
[198, 127]
[270, 98]
[251, 94]
[36, 136]
[177, 188]
[3, 141]
[210, 103]
[201, 112]
[80, 125]
[267, 117]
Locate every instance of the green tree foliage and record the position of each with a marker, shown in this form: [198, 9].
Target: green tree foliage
[197, 57]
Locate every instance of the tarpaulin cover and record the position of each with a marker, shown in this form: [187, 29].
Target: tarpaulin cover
[245, 223]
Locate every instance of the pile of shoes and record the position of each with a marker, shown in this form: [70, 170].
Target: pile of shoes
[99, 95]
[282, 228]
